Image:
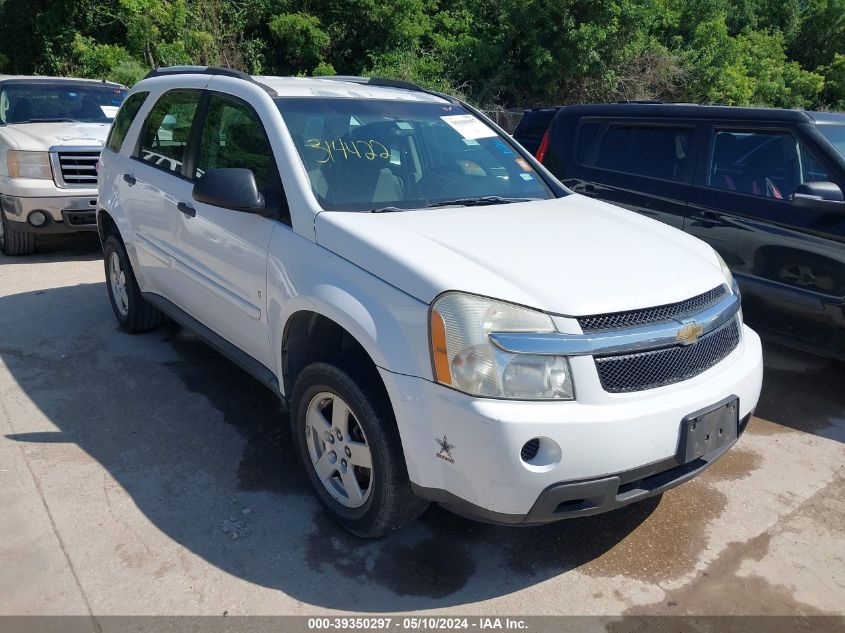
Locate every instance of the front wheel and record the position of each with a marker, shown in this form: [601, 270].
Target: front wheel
[13, 241]
[348, 441]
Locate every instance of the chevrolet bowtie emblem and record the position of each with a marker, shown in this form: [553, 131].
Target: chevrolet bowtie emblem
[689, 334]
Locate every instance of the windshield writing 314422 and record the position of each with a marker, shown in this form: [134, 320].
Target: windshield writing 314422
[339, 149]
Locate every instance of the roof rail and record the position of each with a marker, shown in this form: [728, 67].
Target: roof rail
[207, 70]
[642, 101]
[387, 83]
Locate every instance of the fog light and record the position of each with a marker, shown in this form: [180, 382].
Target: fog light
[37, 218]
[540, 454]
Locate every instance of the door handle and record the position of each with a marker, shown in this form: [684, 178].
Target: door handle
[706, 219]
[584, 189]
[130, 179]
[189, 211]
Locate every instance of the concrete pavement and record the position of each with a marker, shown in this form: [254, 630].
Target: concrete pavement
[148, 475]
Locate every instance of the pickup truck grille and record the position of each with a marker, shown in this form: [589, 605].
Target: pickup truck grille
[660, 367]
[649, 316]
[78, 168]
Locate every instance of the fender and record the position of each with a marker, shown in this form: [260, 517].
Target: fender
[389, 324]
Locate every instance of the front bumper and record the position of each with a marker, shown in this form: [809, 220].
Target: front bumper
[614, 448]
[594, 496]
[65, 214]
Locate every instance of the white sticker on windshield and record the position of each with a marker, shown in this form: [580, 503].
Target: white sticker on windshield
[110, 111]
[468, 126]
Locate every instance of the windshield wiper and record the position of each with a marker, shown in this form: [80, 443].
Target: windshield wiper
[386, 210]
[479, 201]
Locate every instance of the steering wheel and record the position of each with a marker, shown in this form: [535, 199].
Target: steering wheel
[440, 178]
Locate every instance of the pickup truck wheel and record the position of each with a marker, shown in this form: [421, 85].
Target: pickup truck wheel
[14, 241]
[349, 444]
[133, 312]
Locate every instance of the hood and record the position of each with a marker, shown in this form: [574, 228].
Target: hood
[43, 136]
[571, 256]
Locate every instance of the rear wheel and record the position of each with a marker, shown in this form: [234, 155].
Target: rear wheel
[349, 444]
[134, 313]
[14, 241]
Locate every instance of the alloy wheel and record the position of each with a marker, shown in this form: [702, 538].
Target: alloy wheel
[117, 280]
[338, 450]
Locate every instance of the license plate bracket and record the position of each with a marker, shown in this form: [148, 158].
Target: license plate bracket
[708, 429]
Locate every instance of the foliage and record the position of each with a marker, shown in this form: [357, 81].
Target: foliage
[783, 53]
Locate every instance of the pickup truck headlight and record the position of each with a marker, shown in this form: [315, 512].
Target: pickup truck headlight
[465, 359]
[29, 164]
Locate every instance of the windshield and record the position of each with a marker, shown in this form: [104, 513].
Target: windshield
[836, 135]
[367, 154]
[37, 102]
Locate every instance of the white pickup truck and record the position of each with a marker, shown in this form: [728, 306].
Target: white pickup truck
[52, 131]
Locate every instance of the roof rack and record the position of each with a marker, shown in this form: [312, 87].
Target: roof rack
[207, 70]
[387, 83]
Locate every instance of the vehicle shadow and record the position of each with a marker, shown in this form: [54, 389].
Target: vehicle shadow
[204, 452]
[194, 441]
[803, 392]
[57, 248]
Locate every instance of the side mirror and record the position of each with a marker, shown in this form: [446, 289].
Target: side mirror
[822, 196]
[230, 188]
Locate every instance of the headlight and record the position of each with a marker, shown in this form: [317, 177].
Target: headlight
[464, 358]
[29, 164]
[729, 278]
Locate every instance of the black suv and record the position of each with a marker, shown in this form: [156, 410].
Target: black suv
[762, 186]
[533, 125]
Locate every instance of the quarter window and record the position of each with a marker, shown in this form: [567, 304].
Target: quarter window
[652, 151]
[234, 137]
[586, 139]
[124, 119]
[765, 164]
[164, 138]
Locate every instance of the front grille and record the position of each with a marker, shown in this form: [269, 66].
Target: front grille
[648, 316]
[657, 368]
[79, 168]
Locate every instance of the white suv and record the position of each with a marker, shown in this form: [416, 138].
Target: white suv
[444, 319]
[51, 133]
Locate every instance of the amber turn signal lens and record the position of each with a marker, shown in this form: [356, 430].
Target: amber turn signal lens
[439, 353]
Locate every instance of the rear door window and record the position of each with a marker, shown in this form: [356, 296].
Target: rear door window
[653, 151]
[769, 164]
[164, 138]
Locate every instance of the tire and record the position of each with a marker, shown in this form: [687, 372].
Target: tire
[387, 501]
[133, 312]
[13, 241]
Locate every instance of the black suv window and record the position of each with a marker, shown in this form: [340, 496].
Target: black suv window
[653, 151]
[233, 136]
[167, 128]
[124, 119]
[766, 164]
[587, 132]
